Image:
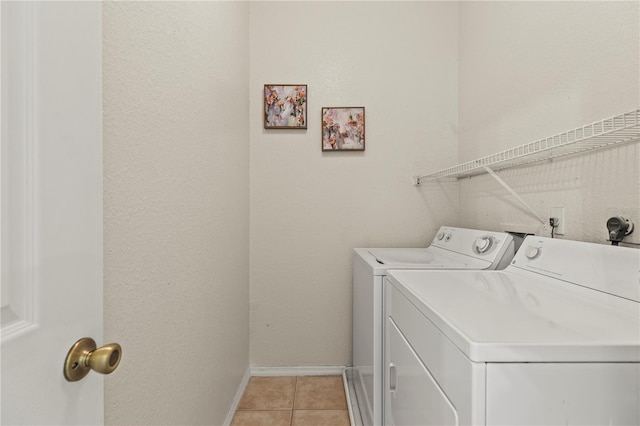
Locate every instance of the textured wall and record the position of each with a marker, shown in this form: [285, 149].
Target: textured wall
[529, 70]
[309, 208]
[176, 208]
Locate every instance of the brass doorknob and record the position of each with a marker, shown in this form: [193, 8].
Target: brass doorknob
[85, 356]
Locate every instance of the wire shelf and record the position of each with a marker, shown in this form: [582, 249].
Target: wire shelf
[619, 129]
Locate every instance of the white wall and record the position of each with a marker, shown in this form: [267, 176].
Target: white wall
[529, 70]
[309, 208]
[176, 208]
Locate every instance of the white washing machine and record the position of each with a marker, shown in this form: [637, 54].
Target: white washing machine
[452, 248]
[554, 339]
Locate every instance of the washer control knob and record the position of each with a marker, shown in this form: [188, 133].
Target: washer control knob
[440, 236]
[532, 252]
[483, 244]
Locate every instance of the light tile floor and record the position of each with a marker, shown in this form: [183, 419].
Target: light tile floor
[293, 401]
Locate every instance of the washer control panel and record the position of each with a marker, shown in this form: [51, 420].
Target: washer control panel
[443, 236]
[480, 244]
[484, 244]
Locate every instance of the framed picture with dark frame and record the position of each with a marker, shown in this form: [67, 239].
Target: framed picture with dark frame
[343, 128]
[285, 106]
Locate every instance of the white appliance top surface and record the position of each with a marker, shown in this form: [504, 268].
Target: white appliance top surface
[451, 248]
[517, 315]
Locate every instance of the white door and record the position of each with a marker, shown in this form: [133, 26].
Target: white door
[51, 208]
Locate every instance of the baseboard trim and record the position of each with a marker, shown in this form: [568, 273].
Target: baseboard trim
[323, 370]
[236, 399]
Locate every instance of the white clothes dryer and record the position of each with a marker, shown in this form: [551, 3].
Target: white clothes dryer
[452, 248]
[552, 339]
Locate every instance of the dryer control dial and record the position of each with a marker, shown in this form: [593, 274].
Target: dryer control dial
[440, 236]
[532, 252]
[483, 245]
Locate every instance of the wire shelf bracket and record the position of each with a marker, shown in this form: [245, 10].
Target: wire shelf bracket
[512, 192]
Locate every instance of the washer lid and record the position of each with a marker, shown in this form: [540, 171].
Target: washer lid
[403, 255]
[383, 259]
[505, 316]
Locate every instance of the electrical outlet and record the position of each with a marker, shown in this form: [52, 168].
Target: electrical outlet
[558, 213]
[630, 213]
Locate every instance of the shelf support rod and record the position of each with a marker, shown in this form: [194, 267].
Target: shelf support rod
[512, 192]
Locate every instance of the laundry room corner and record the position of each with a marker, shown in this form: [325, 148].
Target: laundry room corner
[586, 65]
[309, 208]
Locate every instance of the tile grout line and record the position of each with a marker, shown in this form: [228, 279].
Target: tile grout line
[293, 403]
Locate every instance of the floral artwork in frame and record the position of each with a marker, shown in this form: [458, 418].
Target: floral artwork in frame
[343, 128]
[285, 106]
